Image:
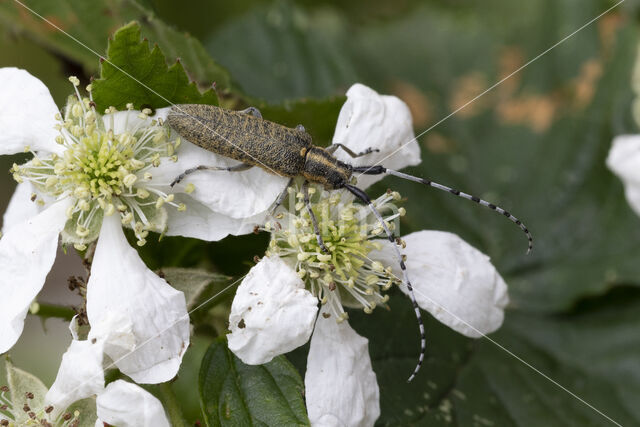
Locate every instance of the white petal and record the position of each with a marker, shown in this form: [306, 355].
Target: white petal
[80, 375]
[341, 387]
[453, 281]
[235, 194]
[27, 253]
[122, 121]
[133, 309]
[27, 115]
[271, 313]
[368, 120]
[128, 405]
[20, 207]
[200, 222]
[624, 161]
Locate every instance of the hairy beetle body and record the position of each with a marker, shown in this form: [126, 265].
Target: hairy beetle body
[243, 137]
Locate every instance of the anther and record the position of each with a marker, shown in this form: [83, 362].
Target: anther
[324, 257]
[129, 180]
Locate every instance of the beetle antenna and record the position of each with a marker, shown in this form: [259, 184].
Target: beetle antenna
[379, 170]
[360, 194]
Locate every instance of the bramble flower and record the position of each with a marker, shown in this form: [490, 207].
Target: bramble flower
[90, 175]
[78, 395]
[275, 308]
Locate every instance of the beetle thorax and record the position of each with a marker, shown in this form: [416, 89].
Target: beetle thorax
[323, 168]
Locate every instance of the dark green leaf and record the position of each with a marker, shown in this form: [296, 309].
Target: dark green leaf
[91, 22]
[176, 45]
[233, 393]
[135, 73]
[280, 52]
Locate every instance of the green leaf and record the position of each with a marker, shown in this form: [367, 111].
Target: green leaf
[197, 61]
[86, 21]
[135, 73]
[21, 383]
[91, 22]
[193, 282]
[232, 393]
[280, 52]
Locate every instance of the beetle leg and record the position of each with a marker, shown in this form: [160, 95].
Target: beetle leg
[316, 229]
[236, 168]
[333, 147]
[253, 111]
[280, 198]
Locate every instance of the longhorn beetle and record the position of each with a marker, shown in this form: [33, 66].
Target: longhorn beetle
[245, 136]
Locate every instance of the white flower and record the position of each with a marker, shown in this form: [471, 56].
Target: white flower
[624, 161]
[120, 403]
[78, 395]
[88, 177]
[451, 280]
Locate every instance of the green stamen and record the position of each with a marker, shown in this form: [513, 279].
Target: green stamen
[346, 276]
[101, 170]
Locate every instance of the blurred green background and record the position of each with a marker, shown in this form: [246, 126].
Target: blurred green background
[535, 144]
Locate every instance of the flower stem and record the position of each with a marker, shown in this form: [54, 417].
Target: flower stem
[171, 404]
[51, 310]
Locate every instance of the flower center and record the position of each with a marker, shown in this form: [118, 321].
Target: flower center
[105, 168]
[99, 165]
[346, 275]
